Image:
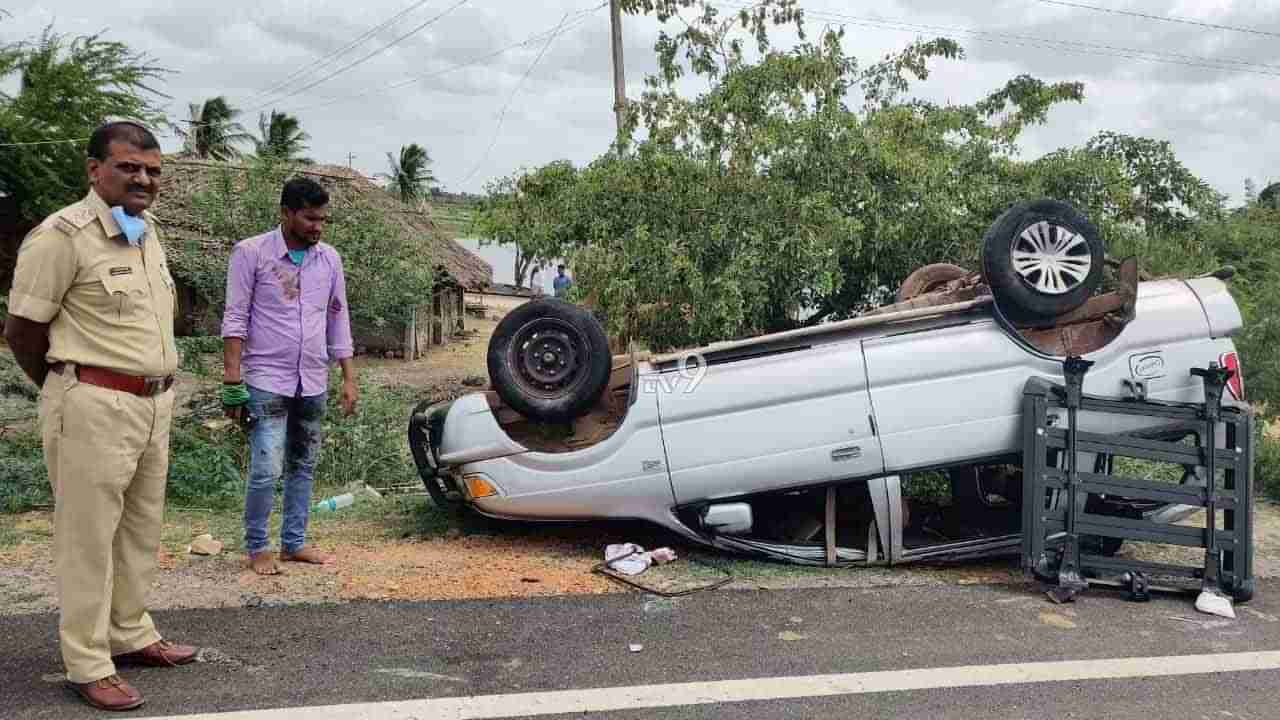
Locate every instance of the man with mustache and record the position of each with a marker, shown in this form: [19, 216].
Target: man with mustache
[286, 321]
[91, 323]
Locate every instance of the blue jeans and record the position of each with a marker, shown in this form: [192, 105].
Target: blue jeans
[284, 441]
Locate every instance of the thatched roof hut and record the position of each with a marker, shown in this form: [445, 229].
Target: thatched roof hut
[186, 178]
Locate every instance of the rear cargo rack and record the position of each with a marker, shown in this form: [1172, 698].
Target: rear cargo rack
[1060, 533]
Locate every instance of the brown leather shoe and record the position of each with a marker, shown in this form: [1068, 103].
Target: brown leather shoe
[109, 693]
[161, 653]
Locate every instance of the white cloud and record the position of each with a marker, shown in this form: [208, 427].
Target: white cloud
[1218, 120]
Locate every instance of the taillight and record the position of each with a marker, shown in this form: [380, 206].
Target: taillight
[1231, 361]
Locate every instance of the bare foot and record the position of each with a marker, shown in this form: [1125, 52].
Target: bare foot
[306, 554]
[264, 563]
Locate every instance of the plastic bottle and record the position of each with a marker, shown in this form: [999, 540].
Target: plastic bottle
[335, 503]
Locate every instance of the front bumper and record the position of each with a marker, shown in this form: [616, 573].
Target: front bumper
[426, 429]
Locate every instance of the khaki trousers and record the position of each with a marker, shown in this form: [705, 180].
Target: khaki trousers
[108, 458]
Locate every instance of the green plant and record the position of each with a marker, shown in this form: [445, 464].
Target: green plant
[1266, 468]
[194, 349]
[369, 448]
[65, 86]
[205, 465]
[24, 483]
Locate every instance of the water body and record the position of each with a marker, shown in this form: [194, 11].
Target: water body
[503, 260]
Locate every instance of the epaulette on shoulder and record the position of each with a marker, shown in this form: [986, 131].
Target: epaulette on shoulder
[72, 219]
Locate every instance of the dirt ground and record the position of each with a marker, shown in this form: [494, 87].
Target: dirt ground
[401, 548]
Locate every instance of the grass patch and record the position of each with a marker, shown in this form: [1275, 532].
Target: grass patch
[9, 534]
[24, 483]
[1266, 468]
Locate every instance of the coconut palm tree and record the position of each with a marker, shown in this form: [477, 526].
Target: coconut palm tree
[281, 136]
[213, 131]
[411, 172]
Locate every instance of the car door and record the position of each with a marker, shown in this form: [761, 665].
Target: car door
[783, 419]
[947, 395]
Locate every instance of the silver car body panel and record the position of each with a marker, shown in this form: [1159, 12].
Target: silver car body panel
[864, 401]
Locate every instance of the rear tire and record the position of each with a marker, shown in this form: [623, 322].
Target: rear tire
[1041, 259]
[549, 360]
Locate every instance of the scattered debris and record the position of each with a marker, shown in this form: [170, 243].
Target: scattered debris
[217, 424]
[411, 674]
[475, 381]
[205, 545]
[660, 605]
[1212, 601]
[1056, 620]
[635, 647]
[789, 636]
[631, 559]
[335, 503]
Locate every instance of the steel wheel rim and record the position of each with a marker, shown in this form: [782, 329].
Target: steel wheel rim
[547, 357]
[1052, 259]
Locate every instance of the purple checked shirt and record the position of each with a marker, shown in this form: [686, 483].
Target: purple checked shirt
[293, 320]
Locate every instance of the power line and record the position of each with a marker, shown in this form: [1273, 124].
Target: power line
[332, 56]
[503, 115]
[45, 142]
[551, 32]
[1162, 18]
[366, 57]
[1073, 47]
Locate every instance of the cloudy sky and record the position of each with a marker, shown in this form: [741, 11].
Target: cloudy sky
[1215, 96]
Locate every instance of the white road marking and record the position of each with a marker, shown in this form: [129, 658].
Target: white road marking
[532, 704]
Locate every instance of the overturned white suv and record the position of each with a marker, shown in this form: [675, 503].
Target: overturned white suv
[893, 436]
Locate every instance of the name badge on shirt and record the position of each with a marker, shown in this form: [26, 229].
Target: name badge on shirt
[120, 271]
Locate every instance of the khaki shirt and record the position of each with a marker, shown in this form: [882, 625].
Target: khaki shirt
[110, 304]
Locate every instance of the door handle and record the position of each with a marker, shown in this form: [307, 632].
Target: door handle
[850, 452]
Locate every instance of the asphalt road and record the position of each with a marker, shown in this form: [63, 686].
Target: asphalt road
[303, 656]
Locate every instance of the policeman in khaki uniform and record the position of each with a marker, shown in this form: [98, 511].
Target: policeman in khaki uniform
[91, 322]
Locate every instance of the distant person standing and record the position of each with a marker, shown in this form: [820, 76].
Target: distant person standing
[286, 321]
[562, 283]
[535, 280]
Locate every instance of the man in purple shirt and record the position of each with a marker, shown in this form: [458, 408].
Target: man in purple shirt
[286, 321]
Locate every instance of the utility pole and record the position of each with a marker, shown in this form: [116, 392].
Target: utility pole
[619, 81]
[350, 157]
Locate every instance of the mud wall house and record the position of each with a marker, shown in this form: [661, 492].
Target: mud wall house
[434, 321]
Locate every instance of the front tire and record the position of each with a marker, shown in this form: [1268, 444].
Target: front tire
[549, 360]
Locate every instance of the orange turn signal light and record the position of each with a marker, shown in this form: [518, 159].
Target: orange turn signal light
[478, 485]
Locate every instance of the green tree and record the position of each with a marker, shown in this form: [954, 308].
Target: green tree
[525, 212]
[213, 132]
[67, 86]
[1270, 196]
[771, 196]
[1167, 196]
[281, 136]
[411, 174]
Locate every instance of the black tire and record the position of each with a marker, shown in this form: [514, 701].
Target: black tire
[1036, 291]
[926, 279]
[570, 372]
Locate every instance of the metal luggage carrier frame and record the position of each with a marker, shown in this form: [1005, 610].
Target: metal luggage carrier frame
[1052, 530]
